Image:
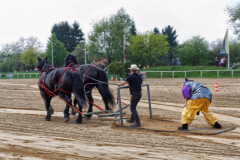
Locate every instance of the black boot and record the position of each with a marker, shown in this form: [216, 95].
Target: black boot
[137, 124]
[184, 127]
[130, 120]
[217, 125]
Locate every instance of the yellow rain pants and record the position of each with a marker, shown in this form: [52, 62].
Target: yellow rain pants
[193, 106]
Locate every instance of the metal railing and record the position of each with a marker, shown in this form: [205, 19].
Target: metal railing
[200, 72]
[119, 99]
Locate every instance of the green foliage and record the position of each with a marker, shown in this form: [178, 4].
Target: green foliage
[156, 30]
[172, 40]
[234, 48]
[194, 52]
[59, 51]
[234, 17]
[29, 58]
[80, 53]
[119, 68]
[107, 37]
[149, 47]
[70, 36]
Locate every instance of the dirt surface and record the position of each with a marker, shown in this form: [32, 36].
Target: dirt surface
[25, 135]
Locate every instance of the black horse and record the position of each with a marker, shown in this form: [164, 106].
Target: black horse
[61, 82]
[90, 74]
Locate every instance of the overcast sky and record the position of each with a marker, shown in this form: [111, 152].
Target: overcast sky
[25, 18]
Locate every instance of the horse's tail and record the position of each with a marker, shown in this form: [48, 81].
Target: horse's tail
[78, 89]
[104, 89]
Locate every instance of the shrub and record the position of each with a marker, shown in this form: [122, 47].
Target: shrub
[119, 68]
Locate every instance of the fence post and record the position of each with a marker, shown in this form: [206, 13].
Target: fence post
[119, 103]
[172, 74]
[185, 74]
[161, 74]
[232, 73]
[30, 75]
[217, 73]
[201, 74]
[149, 101]
[23, 75]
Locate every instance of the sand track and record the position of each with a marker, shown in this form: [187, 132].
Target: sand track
[25, 135]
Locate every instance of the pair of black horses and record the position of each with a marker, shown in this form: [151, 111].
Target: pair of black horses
[79, 80]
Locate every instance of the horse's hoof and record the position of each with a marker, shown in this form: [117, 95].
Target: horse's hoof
[66, 119]
[78, 121]
[47, 119]
[87, 118]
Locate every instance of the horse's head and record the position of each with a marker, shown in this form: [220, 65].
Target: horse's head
[70, 59]
[41, 63]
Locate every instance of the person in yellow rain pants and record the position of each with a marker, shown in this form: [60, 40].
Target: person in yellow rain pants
[197, 97]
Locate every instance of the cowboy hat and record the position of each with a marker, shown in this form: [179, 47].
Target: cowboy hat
[134, 67]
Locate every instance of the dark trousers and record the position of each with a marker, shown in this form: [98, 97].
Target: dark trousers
[136, 96]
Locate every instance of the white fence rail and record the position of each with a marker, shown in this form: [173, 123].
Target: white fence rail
[37, 75]
[200, 72]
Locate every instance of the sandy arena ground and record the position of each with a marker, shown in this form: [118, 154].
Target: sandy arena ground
[25, 135]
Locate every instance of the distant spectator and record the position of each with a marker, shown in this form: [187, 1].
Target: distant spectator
[220, 64]
[234, 66]
[224, 62]
[178, 62]
[105, 69]
[172, 62]
[139, 66]
[216, 62]
[144, 67]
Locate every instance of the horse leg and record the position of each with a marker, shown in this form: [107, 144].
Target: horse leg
[47, 101]
[79, 119]
[51, 110]
[90, 98]
[105, 100]
[75, 105]
[67, 98]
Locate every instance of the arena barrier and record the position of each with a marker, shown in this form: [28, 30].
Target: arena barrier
[119, 99]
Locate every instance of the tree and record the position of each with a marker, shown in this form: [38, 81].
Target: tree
[80, 53]
[133, 30]
[172, 40]
[70, 36]
[29, 58]
[234, 17]
[195, 52]
[234, 47]
[10, 54]
[149, 46]
[59, 51]
[106, 38]
[156, 31]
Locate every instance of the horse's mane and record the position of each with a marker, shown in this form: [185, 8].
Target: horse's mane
[70, 59]
[46, 66]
